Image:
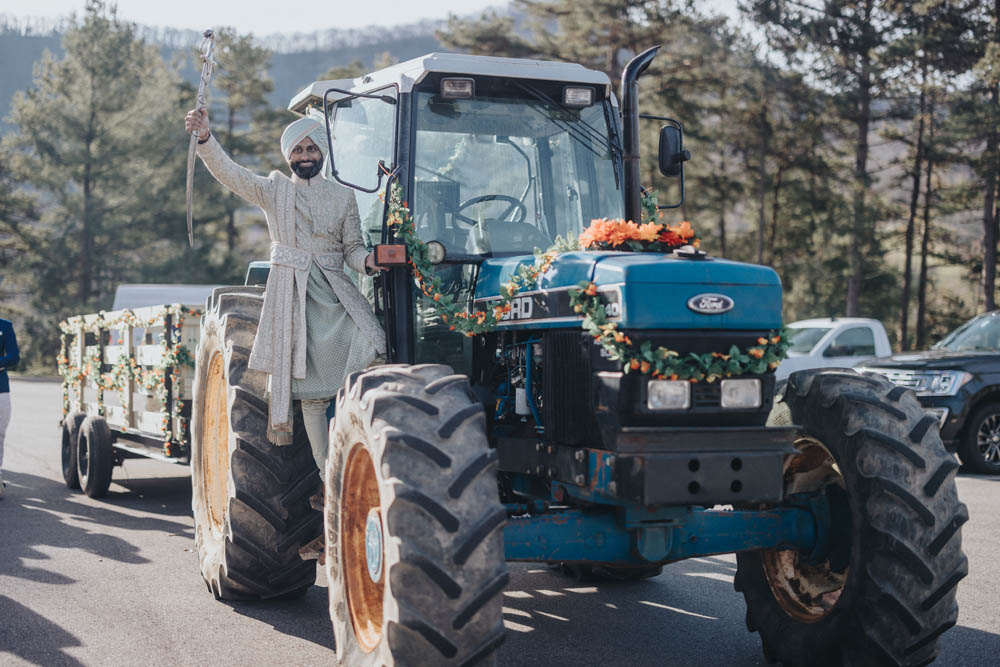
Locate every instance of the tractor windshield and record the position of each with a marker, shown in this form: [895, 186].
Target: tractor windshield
[506, 175]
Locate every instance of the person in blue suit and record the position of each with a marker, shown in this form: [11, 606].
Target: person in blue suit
[8, 358]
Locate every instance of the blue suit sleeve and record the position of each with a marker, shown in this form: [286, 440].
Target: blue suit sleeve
[10, 356]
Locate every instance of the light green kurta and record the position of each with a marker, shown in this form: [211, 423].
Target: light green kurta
[335, 347]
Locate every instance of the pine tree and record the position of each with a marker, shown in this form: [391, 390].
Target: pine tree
[98, 138]
[245, 128]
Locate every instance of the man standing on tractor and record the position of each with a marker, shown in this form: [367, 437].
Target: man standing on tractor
[315, 327]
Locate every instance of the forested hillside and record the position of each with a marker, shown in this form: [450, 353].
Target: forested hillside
[852, 145]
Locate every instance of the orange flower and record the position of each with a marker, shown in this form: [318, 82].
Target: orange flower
[684, 230]
[634, 364]
[577, 308]
[649, 231]
[437, 297]
[775, 339]
[644, 367]
[755, 352]
[762, 341]
[623, 232]
[673, 376]
[773, 365]
[591, 290]
[619, 337]
[498, 312]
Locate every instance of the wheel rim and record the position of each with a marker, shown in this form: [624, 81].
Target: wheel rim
[805, 591]
[362, 550]
[988, 439]
[215, 445]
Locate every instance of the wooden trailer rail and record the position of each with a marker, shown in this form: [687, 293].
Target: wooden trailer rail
[135, 369]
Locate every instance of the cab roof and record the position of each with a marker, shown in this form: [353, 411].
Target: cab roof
[409, 73]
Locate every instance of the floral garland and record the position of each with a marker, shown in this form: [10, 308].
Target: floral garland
[126, 368]
[603, 234]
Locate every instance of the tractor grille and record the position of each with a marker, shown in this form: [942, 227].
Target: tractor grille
[704, 395]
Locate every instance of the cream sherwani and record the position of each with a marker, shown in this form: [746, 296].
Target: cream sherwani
[315, 229]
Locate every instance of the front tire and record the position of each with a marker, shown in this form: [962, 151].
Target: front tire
[887, 593]
[68, 450]
[250, 498]
[415, 559]
[979, 448]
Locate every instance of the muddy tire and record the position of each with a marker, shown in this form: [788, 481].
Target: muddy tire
[250, 498]
[68, 450]
[95, 457]
[887, 592]
[979, 448]
[414, 545]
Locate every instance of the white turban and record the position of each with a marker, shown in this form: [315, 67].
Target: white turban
[299, 130]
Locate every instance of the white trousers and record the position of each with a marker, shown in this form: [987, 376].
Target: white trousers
[4, 420]
[317, 428]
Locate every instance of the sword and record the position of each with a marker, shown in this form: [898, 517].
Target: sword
[208, 62]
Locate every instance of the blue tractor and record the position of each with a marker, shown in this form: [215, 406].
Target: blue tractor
[530, 442]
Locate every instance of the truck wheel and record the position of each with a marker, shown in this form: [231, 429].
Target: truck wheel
[68, 451]
[979, 448]
[250, 498]
[415, 559]
[95, 458]
[886, 592]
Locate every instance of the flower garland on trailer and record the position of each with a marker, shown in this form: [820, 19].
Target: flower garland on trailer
[173, 359]
[603, 234]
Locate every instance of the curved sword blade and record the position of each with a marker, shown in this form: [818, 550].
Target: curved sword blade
[192, 146]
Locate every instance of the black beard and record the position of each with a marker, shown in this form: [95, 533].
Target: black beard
[307, 172]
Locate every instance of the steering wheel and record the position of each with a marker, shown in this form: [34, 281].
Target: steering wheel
[515, 205]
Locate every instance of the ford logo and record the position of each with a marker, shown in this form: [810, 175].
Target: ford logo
[710, 304]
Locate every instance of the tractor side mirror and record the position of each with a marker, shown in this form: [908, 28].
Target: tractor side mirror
[672, 154]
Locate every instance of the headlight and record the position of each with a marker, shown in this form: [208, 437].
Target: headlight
[668, 395]
[924, 383]
[740, 393]
[943, 383]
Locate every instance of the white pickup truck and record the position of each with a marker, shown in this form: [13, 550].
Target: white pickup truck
[839, 341]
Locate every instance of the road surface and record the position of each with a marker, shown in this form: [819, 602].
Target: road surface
[116, 582]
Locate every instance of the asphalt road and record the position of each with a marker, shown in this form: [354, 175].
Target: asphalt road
[116, 582]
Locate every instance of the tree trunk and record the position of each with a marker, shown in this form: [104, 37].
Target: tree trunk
[231, 207]
[85, 280]
[926, 234]
[904, 306]
[860, 228]
[990, 190]
[775, 209]
[762, 182]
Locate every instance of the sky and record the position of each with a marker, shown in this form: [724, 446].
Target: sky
[259, 17]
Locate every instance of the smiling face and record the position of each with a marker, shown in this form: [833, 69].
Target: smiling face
[306, 159]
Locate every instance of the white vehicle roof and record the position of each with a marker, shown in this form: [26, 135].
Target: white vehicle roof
[409, 73]
[830, 322]
[139, 296]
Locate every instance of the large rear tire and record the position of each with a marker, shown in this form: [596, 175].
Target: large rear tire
[887, 592]
[68, 451]
[415, 559]
[250, 498]
[95, 456]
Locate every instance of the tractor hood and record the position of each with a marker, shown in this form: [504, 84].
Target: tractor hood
[642, 291]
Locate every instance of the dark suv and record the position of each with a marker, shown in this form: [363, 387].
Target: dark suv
[958, 381]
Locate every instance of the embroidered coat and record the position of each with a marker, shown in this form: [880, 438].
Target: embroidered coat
[280, 346]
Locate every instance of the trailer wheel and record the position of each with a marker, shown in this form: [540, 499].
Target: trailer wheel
[979, 447]
[68, 451]
[886, 592]
[415, 560]
[95, 458]
[250, 498]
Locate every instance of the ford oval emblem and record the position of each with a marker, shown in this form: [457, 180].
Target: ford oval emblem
[710, 304]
